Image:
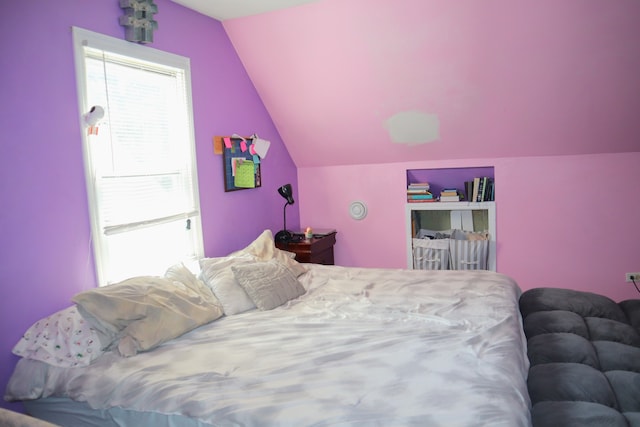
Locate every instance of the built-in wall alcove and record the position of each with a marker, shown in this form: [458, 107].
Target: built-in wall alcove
[434, 227]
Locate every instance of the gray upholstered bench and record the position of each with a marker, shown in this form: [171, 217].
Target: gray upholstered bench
[584, 351]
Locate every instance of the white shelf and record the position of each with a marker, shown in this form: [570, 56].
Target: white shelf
[450, 206]
[489, 207]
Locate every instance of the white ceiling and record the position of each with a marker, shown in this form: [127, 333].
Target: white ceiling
[229, 9]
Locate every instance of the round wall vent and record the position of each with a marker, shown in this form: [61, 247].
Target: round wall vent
[358, 210]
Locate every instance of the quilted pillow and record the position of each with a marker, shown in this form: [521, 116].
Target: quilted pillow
[268, 284]
[63, 339]
[144, 312]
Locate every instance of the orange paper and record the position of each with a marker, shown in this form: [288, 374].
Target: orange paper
[217, 145]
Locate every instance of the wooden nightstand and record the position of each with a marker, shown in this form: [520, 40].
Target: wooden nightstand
[317, 250]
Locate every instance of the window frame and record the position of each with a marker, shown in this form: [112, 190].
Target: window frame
[82, 38]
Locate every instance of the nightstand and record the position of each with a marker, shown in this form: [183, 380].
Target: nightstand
[317, 250]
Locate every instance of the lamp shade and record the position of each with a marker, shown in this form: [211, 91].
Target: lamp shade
[286, 192]
[285, 235]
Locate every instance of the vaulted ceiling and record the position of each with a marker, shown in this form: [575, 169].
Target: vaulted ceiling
[378, 81]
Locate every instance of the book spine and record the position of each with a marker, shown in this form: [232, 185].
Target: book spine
[419, 185]
[480, 190]
[483, 185]
[468, 189]
[476, 184]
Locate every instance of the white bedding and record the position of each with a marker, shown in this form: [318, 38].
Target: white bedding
[365, 347]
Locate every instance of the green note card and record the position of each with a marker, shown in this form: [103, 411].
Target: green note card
[245, 175]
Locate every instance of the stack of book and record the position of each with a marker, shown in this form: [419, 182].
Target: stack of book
[419, 192]
[481, 189]
[449, 195]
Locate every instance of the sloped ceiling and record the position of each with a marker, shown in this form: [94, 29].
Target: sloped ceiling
[378, 81]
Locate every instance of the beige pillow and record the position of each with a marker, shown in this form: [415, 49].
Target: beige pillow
[143, 312]
[269, 284]
[264, 249]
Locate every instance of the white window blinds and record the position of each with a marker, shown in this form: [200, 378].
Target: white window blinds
[141, 163]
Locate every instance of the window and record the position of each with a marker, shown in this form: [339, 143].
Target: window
[140, 164]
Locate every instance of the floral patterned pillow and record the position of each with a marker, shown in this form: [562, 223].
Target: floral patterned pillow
[63, 339]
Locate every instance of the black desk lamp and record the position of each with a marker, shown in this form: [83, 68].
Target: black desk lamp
[284, 235]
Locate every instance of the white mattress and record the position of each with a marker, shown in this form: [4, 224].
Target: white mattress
[363, 347]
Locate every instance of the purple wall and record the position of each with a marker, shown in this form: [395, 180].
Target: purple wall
[45, 240]
[441, 178]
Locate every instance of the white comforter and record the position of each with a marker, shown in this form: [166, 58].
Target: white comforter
[363, 347]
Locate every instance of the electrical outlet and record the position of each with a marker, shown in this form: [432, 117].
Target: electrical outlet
[633, 277]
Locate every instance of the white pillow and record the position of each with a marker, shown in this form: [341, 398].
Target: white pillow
[218, 276]
[180, 273]
[264, 249]
[269, 284]
[63, 339]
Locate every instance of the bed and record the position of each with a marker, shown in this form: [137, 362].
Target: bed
[334, 346]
